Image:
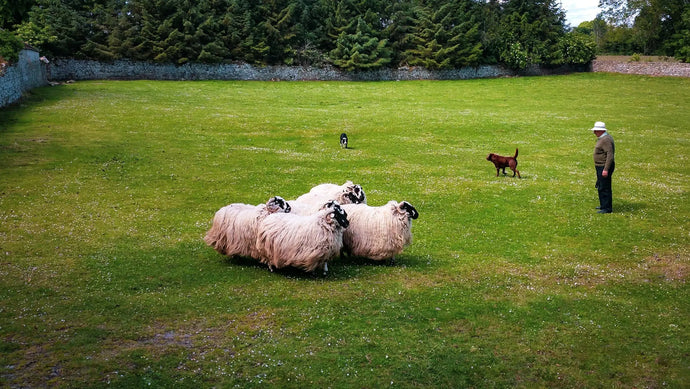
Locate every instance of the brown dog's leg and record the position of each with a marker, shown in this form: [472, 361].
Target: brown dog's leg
[513, 167]
[498, 170]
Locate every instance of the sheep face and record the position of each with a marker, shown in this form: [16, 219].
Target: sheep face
[339, 215]
[409, 209]
[355, 194]
[278, 204]
[330, 204]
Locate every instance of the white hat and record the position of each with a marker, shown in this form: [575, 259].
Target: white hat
[599, 126]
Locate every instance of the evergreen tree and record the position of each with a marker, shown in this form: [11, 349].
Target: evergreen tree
[277, 30]
[531, 31]
[490, 30]
[14, 12]
[361, 50]
[211, 31]
[101, 16]
[352, 34]
[400, 29]
[59, 28]
[343, 18]
[446, 38]
[311, 40]
[139, 30]
[238, 20]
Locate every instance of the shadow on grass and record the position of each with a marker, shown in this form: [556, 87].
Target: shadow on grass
[622, 206]
[338, 268]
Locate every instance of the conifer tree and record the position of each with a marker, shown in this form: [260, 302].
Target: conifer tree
[447, 37]
[277, 29]
[311, 41]
[212, 31]
[361, 50]
[62, 29]
[400, 29]
[530, 32]
[351, 34]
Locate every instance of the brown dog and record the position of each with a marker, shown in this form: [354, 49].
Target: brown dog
[502, 162]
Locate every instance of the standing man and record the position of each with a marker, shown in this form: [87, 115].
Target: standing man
[605, 163]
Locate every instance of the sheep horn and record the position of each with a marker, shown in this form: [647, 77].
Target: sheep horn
[411, 211]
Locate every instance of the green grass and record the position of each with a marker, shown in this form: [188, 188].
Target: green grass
[107, 188]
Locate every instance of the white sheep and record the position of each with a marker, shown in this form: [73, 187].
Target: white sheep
[348, 193]
[306, 242]
[305, 209]
[233, 232]
[378, 233]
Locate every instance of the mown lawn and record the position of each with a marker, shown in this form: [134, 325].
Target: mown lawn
[107, 189]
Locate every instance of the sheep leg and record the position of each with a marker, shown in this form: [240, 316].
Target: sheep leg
[391, 261]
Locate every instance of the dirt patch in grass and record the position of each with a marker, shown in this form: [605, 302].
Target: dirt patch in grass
[673, 268]
[193, 342]
[198, 334]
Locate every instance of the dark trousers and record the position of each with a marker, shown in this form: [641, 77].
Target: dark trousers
[604, 187]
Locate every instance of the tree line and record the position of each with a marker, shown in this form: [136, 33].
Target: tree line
[349, 34]
[650, 27]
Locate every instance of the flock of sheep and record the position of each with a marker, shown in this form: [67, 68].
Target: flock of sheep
[309, 231]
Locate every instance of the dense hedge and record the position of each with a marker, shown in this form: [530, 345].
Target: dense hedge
[350, 34]
[10, 46]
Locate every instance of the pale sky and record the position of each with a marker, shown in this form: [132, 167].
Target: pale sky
[578, 11]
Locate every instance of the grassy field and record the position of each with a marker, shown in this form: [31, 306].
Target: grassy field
[107, 189]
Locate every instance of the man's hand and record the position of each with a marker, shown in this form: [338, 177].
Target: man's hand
[605, 173]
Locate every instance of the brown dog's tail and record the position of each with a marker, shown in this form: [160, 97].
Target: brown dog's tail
[515, 153]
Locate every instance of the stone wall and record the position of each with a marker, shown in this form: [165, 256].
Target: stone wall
[658, 68]
[63, 70]
[28, 73]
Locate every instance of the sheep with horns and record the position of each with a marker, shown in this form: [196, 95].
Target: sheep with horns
[305, 242]
[311, 202]
[233, 232]
[378, 233]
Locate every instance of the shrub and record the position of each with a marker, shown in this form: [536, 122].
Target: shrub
[515, 56]
[577, 49]
[636, 57]
[10, 46]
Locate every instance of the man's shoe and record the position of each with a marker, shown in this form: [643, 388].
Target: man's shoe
[599, 207]
[603, 211]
